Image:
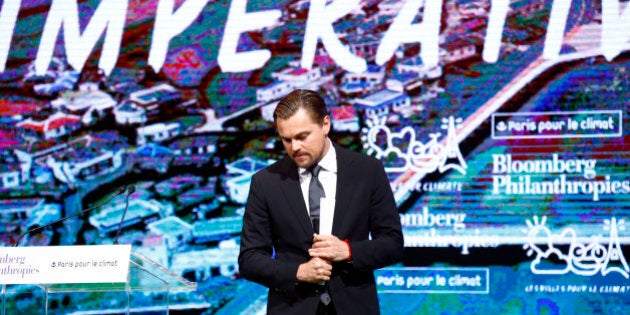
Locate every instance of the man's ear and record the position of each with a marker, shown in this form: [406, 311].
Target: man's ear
[326, 124]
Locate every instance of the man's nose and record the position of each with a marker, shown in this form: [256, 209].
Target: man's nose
[296, 146]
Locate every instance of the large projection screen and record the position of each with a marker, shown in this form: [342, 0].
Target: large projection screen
[501, 125]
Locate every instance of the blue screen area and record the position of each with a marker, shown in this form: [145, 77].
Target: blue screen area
[501, 126]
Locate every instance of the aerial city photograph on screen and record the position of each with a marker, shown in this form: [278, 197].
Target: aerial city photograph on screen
[500, 124]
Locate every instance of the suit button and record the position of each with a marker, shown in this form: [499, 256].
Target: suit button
[317, 291]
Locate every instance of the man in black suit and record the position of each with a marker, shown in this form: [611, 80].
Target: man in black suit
[324, 264]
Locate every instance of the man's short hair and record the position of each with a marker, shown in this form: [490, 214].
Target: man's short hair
[309, 100]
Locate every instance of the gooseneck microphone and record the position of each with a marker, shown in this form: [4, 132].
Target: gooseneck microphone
[119, 192]
[130, 191]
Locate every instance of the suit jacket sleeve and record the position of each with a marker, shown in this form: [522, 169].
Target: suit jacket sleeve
[371, 222]
[271, 246]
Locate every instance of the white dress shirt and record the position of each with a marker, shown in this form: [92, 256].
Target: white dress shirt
[328, 179]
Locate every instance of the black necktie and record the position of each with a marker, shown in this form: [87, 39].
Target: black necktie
[315, 193]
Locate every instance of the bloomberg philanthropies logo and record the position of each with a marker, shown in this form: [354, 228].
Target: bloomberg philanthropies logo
[549, 177]
[12, 266]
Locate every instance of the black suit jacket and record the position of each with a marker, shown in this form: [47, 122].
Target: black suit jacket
[277, 234]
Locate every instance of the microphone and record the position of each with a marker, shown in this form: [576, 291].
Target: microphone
[130, 191]
[119, 192]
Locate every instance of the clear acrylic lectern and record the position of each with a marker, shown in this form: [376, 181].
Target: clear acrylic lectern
[148, 289]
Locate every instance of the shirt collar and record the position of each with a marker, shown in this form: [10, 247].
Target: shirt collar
[328, 162]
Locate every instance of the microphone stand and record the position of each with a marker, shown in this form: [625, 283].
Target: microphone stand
[130, 191]
[118, 193]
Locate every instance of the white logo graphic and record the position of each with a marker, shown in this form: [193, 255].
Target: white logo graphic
[586, 259]
[415, 155]
[501, 126]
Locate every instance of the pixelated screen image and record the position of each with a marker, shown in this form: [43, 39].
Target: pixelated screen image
[500, 123]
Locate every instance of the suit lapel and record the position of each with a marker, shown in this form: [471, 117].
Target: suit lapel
[293, 194]
[344, 190]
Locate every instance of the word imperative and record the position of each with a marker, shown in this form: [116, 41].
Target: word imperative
[108, 22]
